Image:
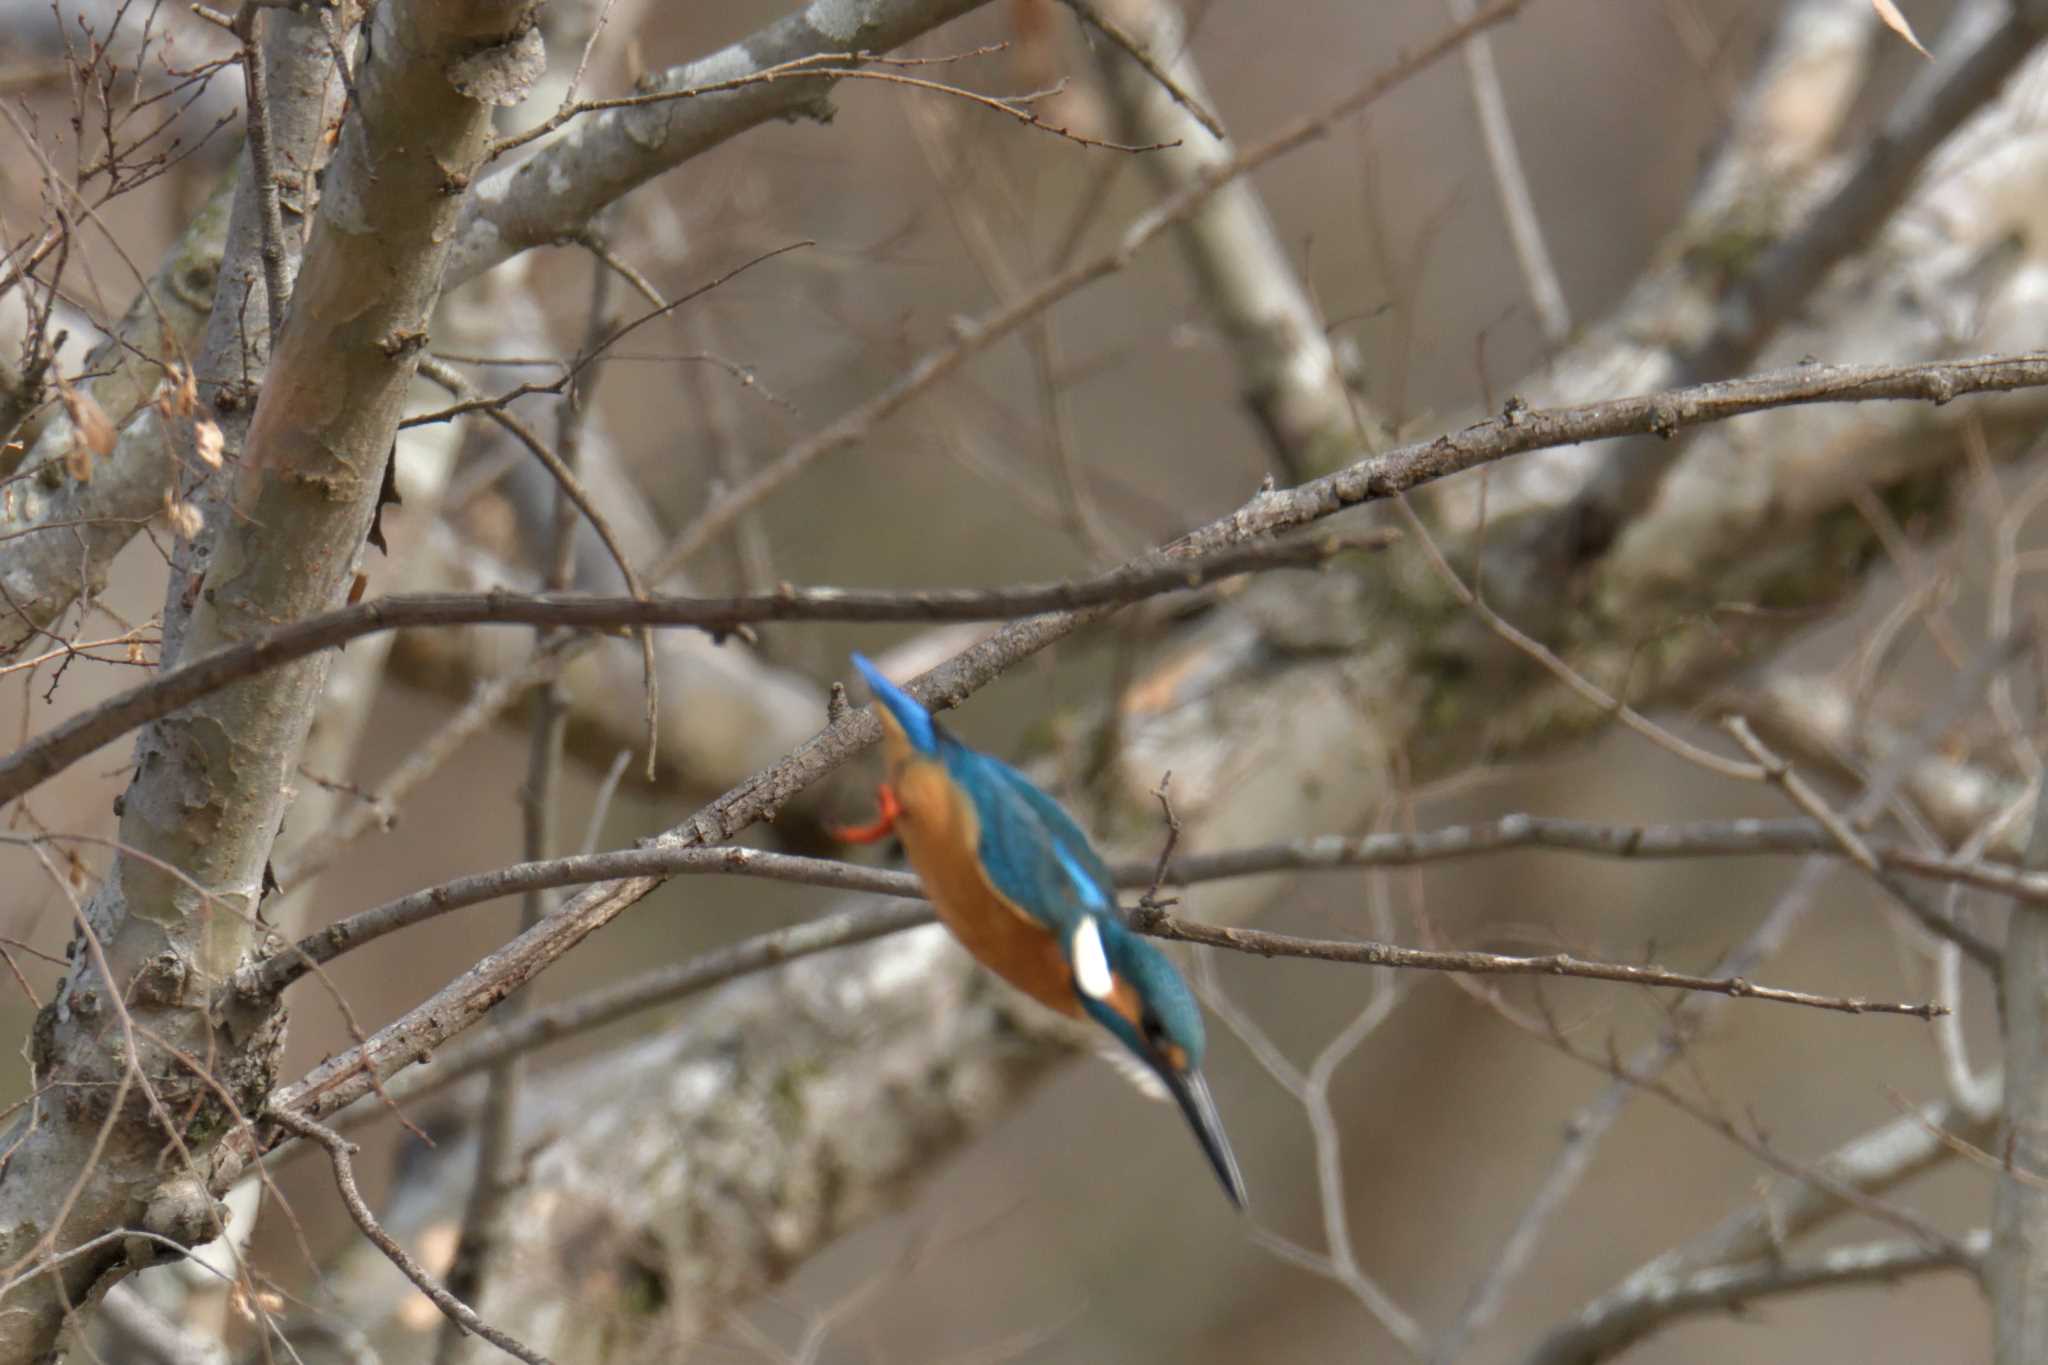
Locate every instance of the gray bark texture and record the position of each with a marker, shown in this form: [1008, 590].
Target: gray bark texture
[2016, 1272]
[118, 1050]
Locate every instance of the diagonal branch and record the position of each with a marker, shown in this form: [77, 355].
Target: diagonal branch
[1872, 1163]
[341, 1152]
[349, 1075]
[555, 193]
[1732, 1289]
[982, 333]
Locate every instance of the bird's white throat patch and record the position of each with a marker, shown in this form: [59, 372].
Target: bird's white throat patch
[1091, 964]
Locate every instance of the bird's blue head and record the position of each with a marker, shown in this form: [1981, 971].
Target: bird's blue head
[907, 711]
[1168, 1031]
[1167, 1036]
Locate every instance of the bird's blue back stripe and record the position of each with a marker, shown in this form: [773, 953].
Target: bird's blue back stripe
[1091, 891]
[1065, 833]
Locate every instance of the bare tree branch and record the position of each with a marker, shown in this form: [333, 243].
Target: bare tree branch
[982, 333]
[1518, 205]
[177, 910]
[1267, 944]
[1700, 839]
[341, 1152]
[1272, 512]
[1734, 1288]
[493, 1042]
[554, 194]
[1966, 77]
[1945, 95]
[67, 743]
[153, 1337]
[43, 528]
[1873, 1163]
[2016, 1275]
[1286, 367]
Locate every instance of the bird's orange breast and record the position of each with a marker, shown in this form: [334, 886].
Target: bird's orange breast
[940, 833]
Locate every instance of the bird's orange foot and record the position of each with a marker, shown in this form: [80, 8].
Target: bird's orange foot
[884, 825]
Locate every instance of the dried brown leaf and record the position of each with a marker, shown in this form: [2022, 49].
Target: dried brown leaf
[263, 1305]
[207, 442]
[184, 390]
[93, 434]
[185, 519]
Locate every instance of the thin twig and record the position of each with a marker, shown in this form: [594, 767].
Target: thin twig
[487, 1211]
[1739, 838]
[1882, 1159]
[1718, 838]
[458, 1004]
[753, 557]
[263, 166]
[1931, 917]
[1755, 1144]
[1518, 205]
[1150, 900]
[1592, 1123]
[565, 479]
[601, 803]
[1774, 772]
[472, 401]
[488, 701]
[571, 487]
[1943, 95]
[942, 154]
[1091, 14]
[341, 1151]
[1781, 775]
[324, 945]
[619, 265]
[1311, 1089]
[983, 332]
[1370, 954]
[830, 66]
[1602, 1331]
[1617, 707]
[64, 744]
[485, 1046]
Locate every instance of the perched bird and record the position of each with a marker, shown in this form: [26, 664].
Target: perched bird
[1016, 881]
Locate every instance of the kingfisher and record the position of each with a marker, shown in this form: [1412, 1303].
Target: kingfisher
[1019, 885]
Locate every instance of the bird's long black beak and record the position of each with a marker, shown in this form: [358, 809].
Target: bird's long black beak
[1193, 1094]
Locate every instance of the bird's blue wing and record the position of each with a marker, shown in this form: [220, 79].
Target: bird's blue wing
[1033, 852]
[1068, 837]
